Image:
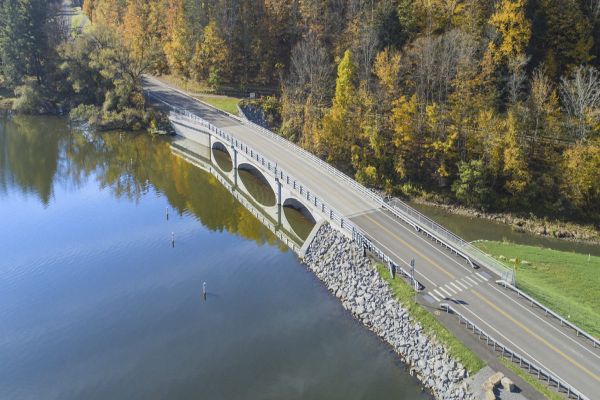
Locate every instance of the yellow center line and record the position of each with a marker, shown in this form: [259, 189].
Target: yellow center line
[411, 247]
[538, 337]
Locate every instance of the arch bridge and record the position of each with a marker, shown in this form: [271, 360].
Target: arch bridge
[273, 191]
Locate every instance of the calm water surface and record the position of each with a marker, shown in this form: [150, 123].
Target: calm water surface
[96, 303]
[471, 228]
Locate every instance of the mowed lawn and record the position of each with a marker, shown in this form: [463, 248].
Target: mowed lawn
[568, 283]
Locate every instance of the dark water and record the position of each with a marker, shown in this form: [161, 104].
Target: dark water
[95, 303]
[471, 228]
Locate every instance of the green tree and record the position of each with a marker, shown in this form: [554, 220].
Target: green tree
[472, 187]
[563, 37]
[24, 45]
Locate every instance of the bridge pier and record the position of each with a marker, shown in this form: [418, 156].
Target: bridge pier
[235, 165]
[278, 194]
[278, 184]
[210, 146]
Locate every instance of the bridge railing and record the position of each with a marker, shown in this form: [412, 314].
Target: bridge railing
[401, 210]
[302, 191]
[525, 363]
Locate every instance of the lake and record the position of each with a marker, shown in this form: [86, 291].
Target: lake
[97, 302]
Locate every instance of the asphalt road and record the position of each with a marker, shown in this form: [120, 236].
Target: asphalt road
[446, 277]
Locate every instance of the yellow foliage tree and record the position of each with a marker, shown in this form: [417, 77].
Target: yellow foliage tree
[515, 165]
[387, 69]
[580, 181]
[340, 130]
[404, 120]
[178, 48]
[514, 29]
[211, 53]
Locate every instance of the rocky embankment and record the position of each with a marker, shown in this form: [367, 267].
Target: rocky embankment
[352, 278]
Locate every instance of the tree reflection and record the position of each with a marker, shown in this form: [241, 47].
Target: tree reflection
[29, 158]
[38, 153]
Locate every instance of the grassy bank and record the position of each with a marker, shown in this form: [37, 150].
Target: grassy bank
[188, 85]
[405, 294]
[566, 282]
[228, 104]
[202, 92]
[531, 380]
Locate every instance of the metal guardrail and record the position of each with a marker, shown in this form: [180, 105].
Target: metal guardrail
[578, 330]
[446, 236]
[302, 191]
[515, 357]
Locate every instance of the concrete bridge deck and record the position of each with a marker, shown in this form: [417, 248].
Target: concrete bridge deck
[446, 277]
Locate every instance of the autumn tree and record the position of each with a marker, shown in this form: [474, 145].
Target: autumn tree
[179, 46]
[339, 131]
[580, 177]
[211, 56]
[514, 30]
[563, 38]
[140, 34]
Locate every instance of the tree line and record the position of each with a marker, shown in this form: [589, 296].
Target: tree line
[94, 76]
[494, 104]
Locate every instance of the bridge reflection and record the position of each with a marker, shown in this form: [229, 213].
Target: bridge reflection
[289, 221]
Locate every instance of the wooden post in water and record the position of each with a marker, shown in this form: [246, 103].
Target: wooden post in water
[204, 290]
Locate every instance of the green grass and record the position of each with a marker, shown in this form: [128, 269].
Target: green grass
[224, 103]
[188, 85]
[567, 283]
[532, 380]
[405, 294]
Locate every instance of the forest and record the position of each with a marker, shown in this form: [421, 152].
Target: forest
[491, 104]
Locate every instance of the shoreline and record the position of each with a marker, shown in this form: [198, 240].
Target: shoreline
[353, 279]
[556, 229]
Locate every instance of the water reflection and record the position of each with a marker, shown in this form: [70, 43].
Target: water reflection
[38, 153]
[257, 186]
[29, 161]
[222, 157]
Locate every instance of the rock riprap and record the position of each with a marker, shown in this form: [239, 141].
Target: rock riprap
[339, 263]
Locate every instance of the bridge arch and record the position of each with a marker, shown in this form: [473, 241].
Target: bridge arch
[298, 216]
[257, 184]
[222, 156]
